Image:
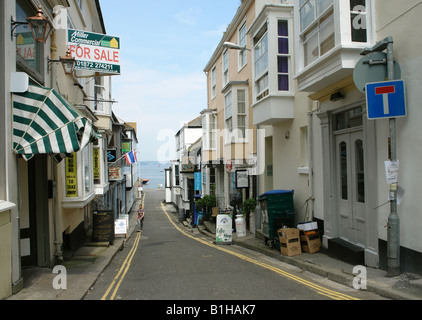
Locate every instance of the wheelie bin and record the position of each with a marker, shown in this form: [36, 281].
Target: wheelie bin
[277, 210]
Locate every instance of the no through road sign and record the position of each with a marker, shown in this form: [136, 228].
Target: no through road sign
[386, 99]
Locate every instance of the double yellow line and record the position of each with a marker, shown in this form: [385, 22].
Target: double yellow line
[319, 289]
[117, 281]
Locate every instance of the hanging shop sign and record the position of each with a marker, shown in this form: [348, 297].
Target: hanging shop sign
[94, 52]
[242, 179]
[114, 173]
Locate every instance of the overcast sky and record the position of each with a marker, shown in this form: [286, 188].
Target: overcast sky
[165, 46]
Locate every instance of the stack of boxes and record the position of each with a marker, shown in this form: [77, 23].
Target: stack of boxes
[309, 237]
[305, 238]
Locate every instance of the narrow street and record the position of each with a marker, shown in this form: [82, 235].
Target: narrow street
[165, 262]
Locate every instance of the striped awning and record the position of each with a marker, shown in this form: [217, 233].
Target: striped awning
[45, 123]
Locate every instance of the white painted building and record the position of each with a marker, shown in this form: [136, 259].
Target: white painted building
[185, 165]
[349, 151]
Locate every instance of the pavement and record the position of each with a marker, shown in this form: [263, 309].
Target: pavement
[89, 262]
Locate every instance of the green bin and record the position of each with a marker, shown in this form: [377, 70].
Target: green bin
[277, 210]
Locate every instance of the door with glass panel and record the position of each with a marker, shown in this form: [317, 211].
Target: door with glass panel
[350, 177]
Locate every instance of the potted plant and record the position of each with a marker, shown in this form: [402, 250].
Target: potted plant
[248, 206]
[200, 204]
[210, 201]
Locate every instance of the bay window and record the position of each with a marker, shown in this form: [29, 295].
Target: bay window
[332, 31]
[261, 63]
[317, 24]
[79, 173]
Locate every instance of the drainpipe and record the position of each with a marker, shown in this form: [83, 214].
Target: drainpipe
[58, 241]
[311, 197]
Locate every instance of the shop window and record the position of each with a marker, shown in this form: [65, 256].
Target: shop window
[79, 174]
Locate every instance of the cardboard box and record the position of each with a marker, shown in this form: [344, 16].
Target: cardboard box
[289, 242]
[311, 243]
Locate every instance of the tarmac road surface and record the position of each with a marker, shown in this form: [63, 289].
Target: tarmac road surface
[164, 262]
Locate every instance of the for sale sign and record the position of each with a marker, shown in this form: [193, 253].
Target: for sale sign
[94, 52]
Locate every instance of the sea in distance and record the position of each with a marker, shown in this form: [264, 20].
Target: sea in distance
[154, 171]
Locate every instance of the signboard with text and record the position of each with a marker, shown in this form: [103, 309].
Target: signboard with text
[242, 179]
[94, 52]
[71, 176]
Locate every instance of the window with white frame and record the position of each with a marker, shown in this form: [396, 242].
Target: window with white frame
[318, 19]
[317, 28]
[228, 112]
[241, 113]
[212, 132]
[213, 82]
[236, 116]
[242, 42]
[87, 177]
[261, 63]
[225, 67]
[99, 93]
[79, 2]
[358, 18]
[283, 58]
[209, 131]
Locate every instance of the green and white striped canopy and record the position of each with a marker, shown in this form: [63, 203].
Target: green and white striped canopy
[45, 123]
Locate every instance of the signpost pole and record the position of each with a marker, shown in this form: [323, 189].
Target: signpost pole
[375, 59]
[393, 232]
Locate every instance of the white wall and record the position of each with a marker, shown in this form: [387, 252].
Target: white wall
[399, 22]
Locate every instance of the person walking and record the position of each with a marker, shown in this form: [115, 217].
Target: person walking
[140, 218]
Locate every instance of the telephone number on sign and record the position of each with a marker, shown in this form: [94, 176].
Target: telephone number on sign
[94, 65]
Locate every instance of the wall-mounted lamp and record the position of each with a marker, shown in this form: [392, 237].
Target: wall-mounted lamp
[336, 96]
[40, 26]
[230, 45]
[68, 63]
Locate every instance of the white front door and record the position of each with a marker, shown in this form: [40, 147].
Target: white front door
[350, 180]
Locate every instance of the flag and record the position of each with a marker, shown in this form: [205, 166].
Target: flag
[131, 157]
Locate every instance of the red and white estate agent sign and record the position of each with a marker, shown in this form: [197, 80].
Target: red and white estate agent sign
[94, 52]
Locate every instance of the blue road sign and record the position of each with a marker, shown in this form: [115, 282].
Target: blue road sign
[386, 99]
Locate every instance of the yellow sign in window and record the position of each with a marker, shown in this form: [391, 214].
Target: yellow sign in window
[71, 177]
